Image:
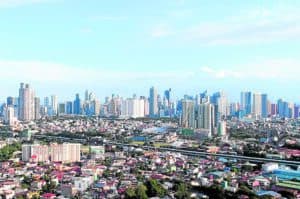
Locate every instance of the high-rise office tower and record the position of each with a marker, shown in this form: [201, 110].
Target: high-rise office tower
[9, 115]
[54, 105]
[86, 95]
[46, 102]
[234, 108]
[204, 97]
[168, 102]
[264, 105]
[257, 104]
[283, 108]
[10, 101]
[133, 107]
[47, 107]
[95, 107]
[26, 103]
[62, 108]
[188, 113]
[296, 111]
[37, 108]
[206, 117]
[69, 107]
[77, 105]
[291, 110]
[219, 99]
[153, 104]
[273, 109]
[114, 106]
[92, 96]
[246, 103]
[146, 105]
[168, 96]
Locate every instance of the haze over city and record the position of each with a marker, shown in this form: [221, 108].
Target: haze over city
[63, 47]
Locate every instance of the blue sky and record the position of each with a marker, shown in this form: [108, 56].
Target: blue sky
[124, 47]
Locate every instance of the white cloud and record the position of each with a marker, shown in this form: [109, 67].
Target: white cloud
[280, 69]
[37, 71]
[254, 26]
[221, 74]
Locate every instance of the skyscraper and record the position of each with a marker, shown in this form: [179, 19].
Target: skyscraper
[153, 104]
[69, 107]
[273, 109]
[86, 95]
[133, 107]
[54, 104]
[264, 105]
[77, 105]
[46, 102]
[61, 109]
[246, 102]
[296, 111]
[10, 101]
[9, 115]
[219, 99]
[95, 107]
[26, 103]
[257, 104]
[47, 108]
[188, 113]
[37, 108]
[168, 96]
[283, 108]
[206, 117]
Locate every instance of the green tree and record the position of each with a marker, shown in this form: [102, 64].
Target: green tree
[130, 193]
[141, 192]
[50, 186]
[7, 151]
[154, 188]
[181, 191]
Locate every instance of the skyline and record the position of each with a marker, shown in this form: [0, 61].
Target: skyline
[126, 48]
[159, 92]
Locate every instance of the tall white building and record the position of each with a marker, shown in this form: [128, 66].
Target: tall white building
[206, 117]
[188, 114]
[54, 104]
[146, 107]
[26, 103]
[95, 107]
[222, 128]
[223, 107]
[153, 102]
[37, 108]
[133, 107]
[9, 115]
[257, 104]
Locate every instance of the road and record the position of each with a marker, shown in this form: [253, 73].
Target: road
[185, 152]
[205, 154]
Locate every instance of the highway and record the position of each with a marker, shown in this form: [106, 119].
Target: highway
[183, 151]
[205, 154]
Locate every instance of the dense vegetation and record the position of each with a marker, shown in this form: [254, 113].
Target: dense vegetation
[7, 151]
